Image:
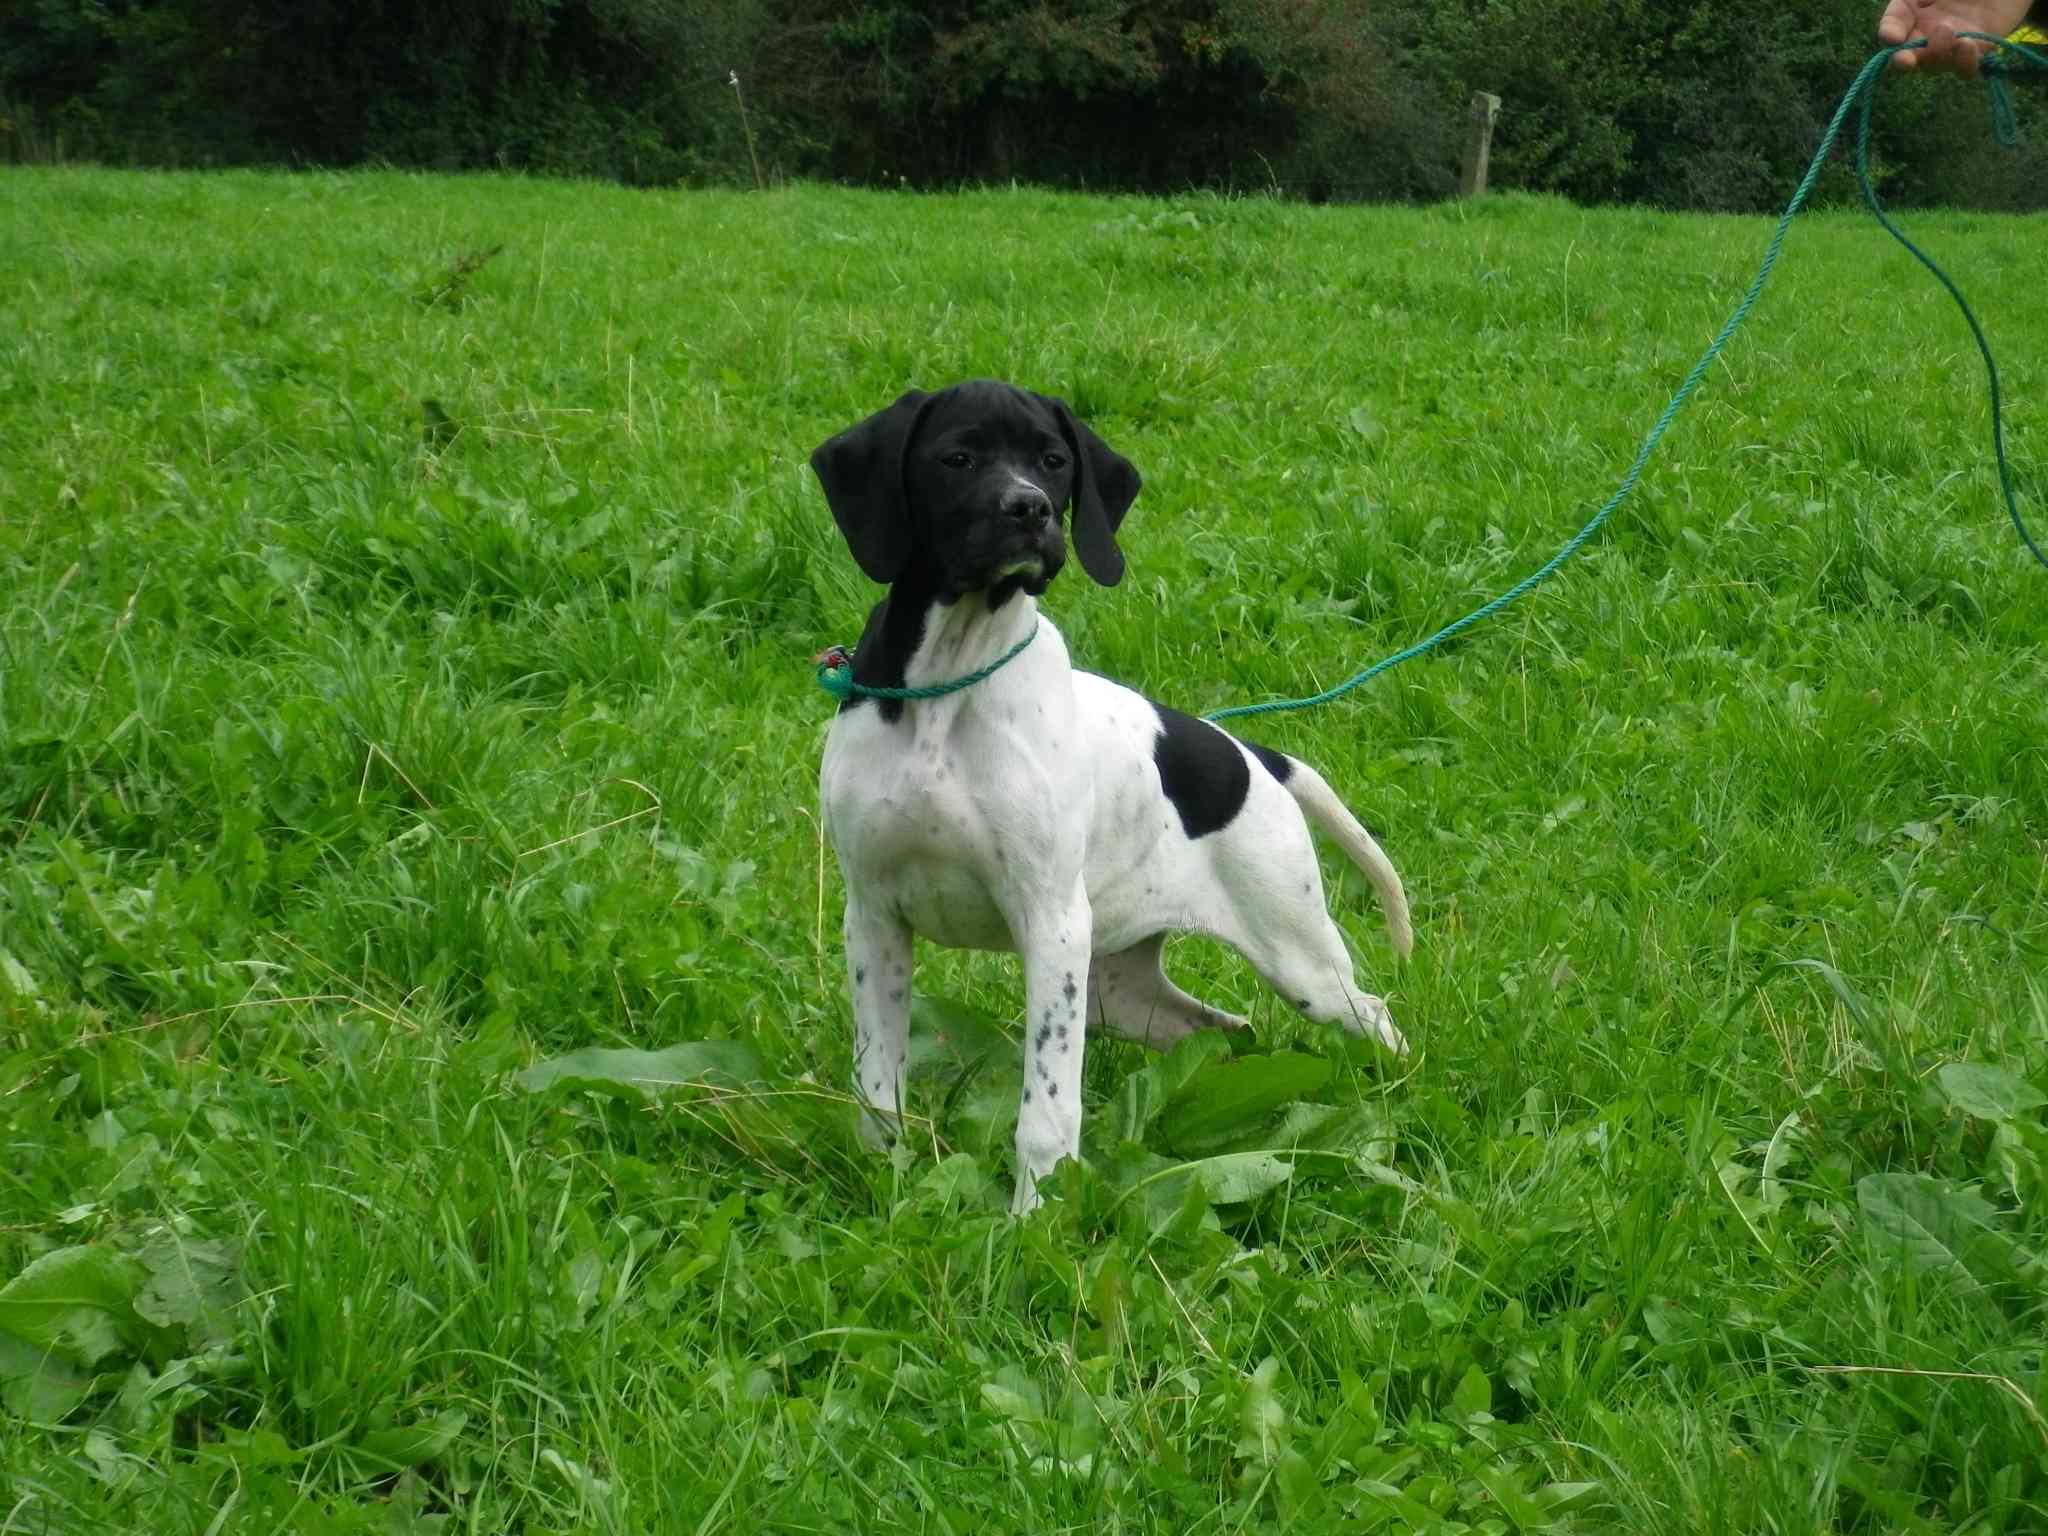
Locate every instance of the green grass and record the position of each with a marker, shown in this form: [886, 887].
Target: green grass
[405, 682]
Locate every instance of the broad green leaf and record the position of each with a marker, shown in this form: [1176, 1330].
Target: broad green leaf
[578, 1477]
[945, 1035]
[1081, 1426]
[1295, 1478]
[1938, 1229]
[1153, 1086]
[1262, 1416]
[1988, 1092]
[78, 1302]
[1501, 1483]
[1012, 1394]
[38, 1384]
[2020, 1149]
[1230, 1097]
[959, 1180]
[1400, 1509]
[1174, 1198]
[1559, 1497]
[192, 1284]
[1670, 1326]
[255, 1450]
[413, 1445]
[1783, 1146]
[1735, 1179]
[1176, 1207]
[980, 1115]
[1237, 1176]
[1362, 1133]
[1473, 1393]
[645, 1074]
[15, 980]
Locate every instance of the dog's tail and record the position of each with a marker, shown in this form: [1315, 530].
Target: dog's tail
[1322, 807]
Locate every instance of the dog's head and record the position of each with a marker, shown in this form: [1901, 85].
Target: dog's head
[971, 483]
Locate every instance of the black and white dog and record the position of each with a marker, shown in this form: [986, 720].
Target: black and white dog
[1045, 810]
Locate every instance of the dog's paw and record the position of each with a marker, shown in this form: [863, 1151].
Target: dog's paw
[1378, 1022]
[879, 1129]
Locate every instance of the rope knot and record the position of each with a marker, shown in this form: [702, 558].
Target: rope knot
[835, 672]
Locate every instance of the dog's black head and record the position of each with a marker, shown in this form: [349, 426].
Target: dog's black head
[970, 484]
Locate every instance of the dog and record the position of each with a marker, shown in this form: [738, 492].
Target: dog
[1042, 809]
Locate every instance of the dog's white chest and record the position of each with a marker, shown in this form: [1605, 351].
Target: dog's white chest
[936, 831]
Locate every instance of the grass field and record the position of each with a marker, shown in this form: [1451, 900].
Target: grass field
[405, 688]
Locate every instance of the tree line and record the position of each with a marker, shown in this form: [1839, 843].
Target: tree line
[1700, 104]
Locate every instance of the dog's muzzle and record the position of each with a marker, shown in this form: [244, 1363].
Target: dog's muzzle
[1033, 548]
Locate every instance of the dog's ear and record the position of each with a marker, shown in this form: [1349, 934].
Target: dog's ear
[862, 472]
[1105, 485]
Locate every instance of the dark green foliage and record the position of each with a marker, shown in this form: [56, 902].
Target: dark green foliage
[613, 88]
[1692, 105]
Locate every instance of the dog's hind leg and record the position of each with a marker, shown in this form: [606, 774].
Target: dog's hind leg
[1129, 995]
[1307, 963]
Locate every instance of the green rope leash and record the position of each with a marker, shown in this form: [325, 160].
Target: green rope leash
[1861, 92]
[835, 676]
[2005, 128]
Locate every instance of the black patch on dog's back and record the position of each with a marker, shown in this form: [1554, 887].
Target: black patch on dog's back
[1278, 764]
[1200, 770]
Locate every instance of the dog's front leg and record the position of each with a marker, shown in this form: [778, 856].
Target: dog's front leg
[878, 949]
[1056, 948]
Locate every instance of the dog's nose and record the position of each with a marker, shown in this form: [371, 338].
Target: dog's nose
[1026, 503]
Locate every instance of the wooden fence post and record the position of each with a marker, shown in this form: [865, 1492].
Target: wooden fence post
[733, 80]
[1478, 143]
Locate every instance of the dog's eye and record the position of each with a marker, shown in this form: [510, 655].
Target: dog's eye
[1054, 461]
[958, 461]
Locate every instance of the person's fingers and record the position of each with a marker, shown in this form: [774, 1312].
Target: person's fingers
[1960, 55]
[1901, 23]
[1945, 50]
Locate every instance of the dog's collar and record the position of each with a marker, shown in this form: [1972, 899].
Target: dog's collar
[835, 675]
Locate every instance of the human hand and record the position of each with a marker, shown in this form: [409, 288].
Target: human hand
[1939, 21]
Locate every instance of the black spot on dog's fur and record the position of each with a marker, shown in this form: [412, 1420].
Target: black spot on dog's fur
[1201, 772]
[1278, 764]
